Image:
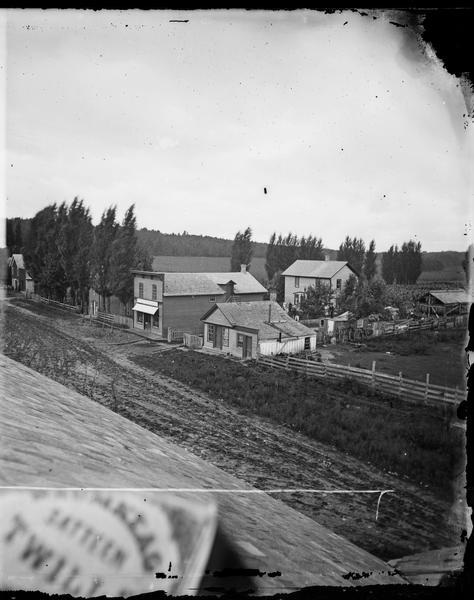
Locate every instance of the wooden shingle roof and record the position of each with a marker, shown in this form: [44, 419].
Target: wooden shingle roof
[54, 436]
[266, 317]
[319, 269]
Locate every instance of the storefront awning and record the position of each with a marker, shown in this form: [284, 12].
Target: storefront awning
[144, 308]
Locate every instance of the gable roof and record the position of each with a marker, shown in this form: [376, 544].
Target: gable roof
[450, 296]
[265, 316]
[210, 284]
[320, 269]
[18, 258]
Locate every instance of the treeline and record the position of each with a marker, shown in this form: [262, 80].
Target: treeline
[185, 244]
[66, 255]
[402, 265]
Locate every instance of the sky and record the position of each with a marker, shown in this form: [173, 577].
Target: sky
[351, 126]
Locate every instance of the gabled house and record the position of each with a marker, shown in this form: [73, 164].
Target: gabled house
[250, 329]
[178, 300]
[303, 274]
[20, 278]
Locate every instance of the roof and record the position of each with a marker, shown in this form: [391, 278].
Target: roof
[265, 316]
[205, 264]
[54, 436]
[320, 269]
[458, 296]
[20, 263]
[207, 284]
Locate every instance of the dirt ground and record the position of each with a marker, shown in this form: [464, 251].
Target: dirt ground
[97, 361]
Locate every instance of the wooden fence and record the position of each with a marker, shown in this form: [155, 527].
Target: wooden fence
[192, 341]
[350, 333]
[110, 319]
[405, 389]
[54, 303]
[177, 335]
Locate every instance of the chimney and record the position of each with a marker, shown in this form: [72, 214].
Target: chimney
[273, 296]
[243, 268]
[326, 257]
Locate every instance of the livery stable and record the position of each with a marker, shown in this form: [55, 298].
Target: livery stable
[252, 329]
[178, 300]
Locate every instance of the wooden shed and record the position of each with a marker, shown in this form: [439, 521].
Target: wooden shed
[441, 303]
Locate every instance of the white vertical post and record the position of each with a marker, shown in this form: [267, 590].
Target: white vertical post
[427, 386]
[373, 374]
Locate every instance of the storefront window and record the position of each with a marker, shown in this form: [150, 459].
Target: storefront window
[139, 317]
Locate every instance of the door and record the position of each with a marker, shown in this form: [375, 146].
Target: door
[247, 347]
[146, 321]
[218, 338]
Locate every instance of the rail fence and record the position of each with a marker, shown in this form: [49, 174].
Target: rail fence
[109, 319]
[400, 387]
[55, 303]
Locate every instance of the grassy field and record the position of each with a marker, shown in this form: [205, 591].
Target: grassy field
[439, 353]
[412, 441]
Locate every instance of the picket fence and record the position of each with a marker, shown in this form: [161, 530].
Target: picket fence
[400, 387]
[192, 341]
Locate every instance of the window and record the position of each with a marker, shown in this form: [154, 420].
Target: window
[140, 290]
[211, 331]
[338, 284]
[307, 343]
[322, 322]
[212, 299]
[240, 340]
[156, 319]
[225, 336]
[153, 292]
[297, 282]
[139, 317]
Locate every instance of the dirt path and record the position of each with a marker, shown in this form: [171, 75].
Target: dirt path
[256, 450]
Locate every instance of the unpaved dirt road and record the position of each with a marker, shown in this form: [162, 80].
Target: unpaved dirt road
[97, 362]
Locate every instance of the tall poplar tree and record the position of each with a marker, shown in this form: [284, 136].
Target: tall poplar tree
[124, 258]
[242, 250]
[102, 252]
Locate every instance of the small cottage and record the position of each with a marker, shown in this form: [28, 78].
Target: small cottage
[250, 329]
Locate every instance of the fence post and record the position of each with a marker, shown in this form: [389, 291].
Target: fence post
[400, 378]
[373, 374]
[427, 386]
[287, 365]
